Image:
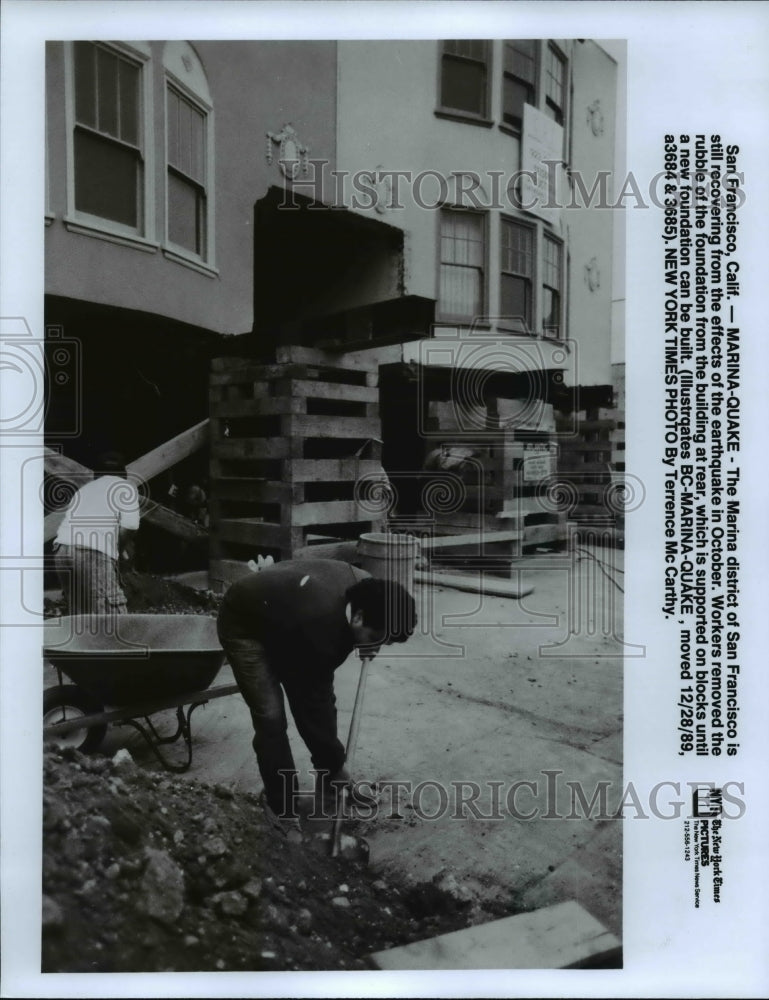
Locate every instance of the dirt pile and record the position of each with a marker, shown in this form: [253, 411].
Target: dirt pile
[146, 872]
[148, 593]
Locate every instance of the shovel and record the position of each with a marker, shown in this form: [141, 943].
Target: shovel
[357, 846]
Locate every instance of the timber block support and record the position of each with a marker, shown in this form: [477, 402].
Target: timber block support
[291, 443]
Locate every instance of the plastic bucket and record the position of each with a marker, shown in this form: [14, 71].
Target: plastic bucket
[389, 556]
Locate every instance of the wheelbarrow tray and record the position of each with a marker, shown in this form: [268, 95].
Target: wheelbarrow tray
[125, 659]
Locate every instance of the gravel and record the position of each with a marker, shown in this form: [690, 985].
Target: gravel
[147, 872]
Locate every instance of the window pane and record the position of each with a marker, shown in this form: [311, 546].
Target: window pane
[173, 128]
[552, 312]
[462, 238]
[128, 77]
[520, 59]
[517, 249]
[470, 48]
[462, 257]
[85, 83]
[197, 145]
[186, 212]
[186, 137]
[463, 85]
[106, 179]
[461, 291]
[514, 95]
[554, 85]
[516, 301]
[106, 76]
[552, 270]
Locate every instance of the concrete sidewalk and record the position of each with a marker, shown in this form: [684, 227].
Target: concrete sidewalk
[490, 692]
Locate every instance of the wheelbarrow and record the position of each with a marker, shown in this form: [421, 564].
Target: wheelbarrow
[126, 668]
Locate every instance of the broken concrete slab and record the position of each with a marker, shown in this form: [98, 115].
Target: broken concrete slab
[556, 937]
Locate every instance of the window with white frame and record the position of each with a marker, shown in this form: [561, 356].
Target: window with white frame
[108, 135]
[189, 153]
[186, 173]
[516, 275]
[552, 283]
[555, 84]
[462, 265]
[518, 80]
[465, 77]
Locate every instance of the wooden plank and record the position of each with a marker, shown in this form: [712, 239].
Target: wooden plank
[345, 551]
[246, 371]
[431, 542]
[332, 427]
[333, 390]
[153, 513]
[544, 534]
[555, 937]
[265, 406]
[570, 447]
[328, 512]
[244, 376]
[322, 470]
[288, 353]
[170, 453]
[62, 467]
[168, 520]
[251, 531]
[255, 447]
[474, 583]
[566, 425]
[257, 490]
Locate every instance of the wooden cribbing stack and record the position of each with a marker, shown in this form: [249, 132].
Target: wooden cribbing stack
[289, 440]
[511, 457]
[592, 450]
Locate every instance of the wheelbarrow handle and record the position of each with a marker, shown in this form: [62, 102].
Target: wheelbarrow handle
[352, 738]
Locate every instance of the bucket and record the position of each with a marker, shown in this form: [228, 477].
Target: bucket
[389, 556]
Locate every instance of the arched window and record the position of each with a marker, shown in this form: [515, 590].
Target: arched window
[189, 156]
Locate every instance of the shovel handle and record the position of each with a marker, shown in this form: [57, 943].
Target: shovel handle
[352, 738]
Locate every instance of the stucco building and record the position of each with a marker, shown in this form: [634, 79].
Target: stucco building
[405, 199]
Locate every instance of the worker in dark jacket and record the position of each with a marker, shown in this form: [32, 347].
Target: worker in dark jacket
[287, 628]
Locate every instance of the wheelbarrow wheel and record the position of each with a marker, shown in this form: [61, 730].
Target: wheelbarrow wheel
[67, 701]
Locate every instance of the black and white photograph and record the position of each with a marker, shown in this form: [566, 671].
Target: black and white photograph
[378, 550]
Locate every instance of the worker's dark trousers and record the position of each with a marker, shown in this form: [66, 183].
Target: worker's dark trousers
[313, 706]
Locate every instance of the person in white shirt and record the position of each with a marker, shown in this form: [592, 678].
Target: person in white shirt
[96, 532]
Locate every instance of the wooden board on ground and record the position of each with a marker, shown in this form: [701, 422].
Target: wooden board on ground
[556, 937]
[493, 586]
[477, 538]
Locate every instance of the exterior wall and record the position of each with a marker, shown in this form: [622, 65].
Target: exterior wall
[255, 87]
[388, 95]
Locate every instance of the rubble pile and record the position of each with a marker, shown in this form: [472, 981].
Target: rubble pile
[145, 872]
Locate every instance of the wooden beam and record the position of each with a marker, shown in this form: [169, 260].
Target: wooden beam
[476, 538]
[144, 468]
[170, 453]
[153, 513]
[473, 584]
[65, 468]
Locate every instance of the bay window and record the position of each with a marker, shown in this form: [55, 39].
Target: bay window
[462, 264]
[465, 76]
[516, 275]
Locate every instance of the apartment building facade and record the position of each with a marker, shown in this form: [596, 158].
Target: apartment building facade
[412, 200]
